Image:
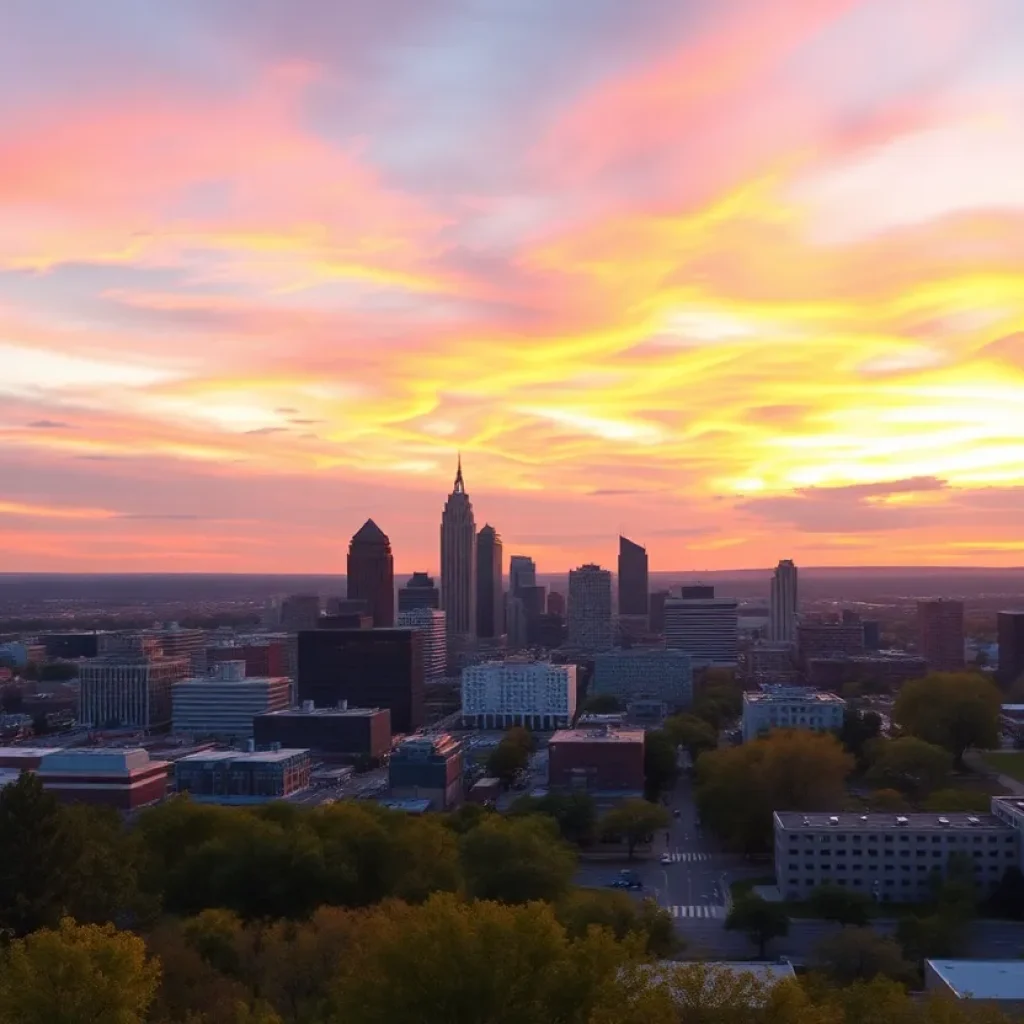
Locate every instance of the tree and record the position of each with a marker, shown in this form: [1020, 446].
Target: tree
[582, 909]
[575, 813]
[38, 855]
[691, 733]
[516, 860]
[859, 729]
[908, 764]
[860, 954]
[888, 800]
[661, 765]
[837, 903]
[507, 760]
[760, 920]
[602, 704]
[957, 801]
[636, 821]
[76, 974]
[953, 710]
[932, 935]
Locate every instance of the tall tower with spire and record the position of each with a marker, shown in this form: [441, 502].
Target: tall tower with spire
[458, 560]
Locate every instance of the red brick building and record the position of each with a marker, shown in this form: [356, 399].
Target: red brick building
[266, 660]
[941, 634]
[125, 779]
[598, 759]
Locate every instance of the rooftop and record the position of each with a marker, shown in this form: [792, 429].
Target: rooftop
[982, 979]
[792, 693]
[322, 713]
[101, 760]
[370, 533]
[28, 752]
[598, 735]
[246, 757]
[200, 681]
[847, 821]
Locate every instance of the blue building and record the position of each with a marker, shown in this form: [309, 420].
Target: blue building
[427, 768]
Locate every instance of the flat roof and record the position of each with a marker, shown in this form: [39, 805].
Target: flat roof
[810, 696]
[982, 979]
[598, 736]
[914, 822]
[321, 713]
[97, 759]
[246, 756]
[28, 751]
[212, 681]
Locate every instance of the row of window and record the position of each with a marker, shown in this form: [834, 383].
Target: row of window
[841, 865]
[859, 839]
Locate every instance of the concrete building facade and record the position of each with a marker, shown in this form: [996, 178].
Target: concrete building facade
[519, 691]
[130, 690]
[123, 779]
[705, 628]
[343, 733]
[430, 623]
[224, 705]
[940, 625]
[645, 674]
[790, 707]
[590, 609]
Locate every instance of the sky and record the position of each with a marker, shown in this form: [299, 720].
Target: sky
[740, 279]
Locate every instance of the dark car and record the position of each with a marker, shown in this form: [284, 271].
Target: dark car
[625, 883]
[677, 813]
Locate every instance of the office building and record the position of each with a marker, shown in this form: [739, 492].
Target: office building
[590, 608]
[368, 668]
[886, 669]
[656, 615]
[518, 691]
[72, 646]
[223, 706]
[997, 983]
[550, 631]
[633, 598]
[645, 674]
[123, 779]
[371, 573]
[534, 600]
[131, 690]
[522, 573]
[489, 590]
[24, 759]
[419, 592]
[1010, 635]
[790, 707]
[940, 626]
[889, 857]
[178, 642]
[345, 607]
[299, 612]
[430, 624]
[783, 603]
[458, 561]
[515, 623]
[705, 628]
[872, 635]
[696, 592]
[339, 733]
[263, 656]
[556, 604]
[233, 777]
[600, 759]
[427, 768]
[829, 640]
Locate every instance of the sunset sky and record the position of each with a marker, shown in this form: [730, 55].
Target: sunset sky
[742, 279]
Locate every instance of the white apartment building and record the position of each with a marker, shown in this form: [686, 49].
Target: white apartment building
[130, 690]
[890, 857]
[590, 608]
[706, 628]
[431, 623]
[639, 674]
[497, 694]
[790, 707]
[224, 704]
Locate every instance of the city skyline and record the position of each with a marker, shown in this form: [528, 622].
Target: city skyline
[697, 265]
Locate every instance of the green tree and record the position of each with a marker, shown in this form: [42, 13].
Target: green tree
[860, 954]
[859, 729]
[77, 974]
[958, 801]
[910, 765]
[582, 909]
[575, 813]
[516, 860]
[888, 800]
[507, 760]
[602, 704]
[636, 821]
[760, 920]
[466, 818]
[718, 703]
[931, 935]
[693, 734]
[952, 710]
[661, 764]
[38, 857]
[837, 903]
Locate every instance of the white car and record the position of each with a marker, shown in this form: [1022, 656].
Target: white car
[666, 858]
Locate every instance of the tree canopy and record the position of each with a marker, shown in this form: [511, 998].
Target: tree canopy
[759, 919]
[909, 765]
[635, 821]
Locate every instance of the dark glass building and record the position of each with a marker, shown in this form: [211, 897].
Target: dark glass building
[419, 592]
[346, 733]
[369, 668]
[632, 578]
[656, 618]
[371, 573]
[1010, 633]
[489, 607]
[697, 592]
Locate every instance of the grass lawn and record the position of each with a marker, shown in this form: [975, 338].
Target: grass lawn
[1006, 762]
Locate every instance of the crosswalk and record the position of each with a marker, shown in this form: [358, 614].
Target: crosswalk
[688, 857]
[702, 910]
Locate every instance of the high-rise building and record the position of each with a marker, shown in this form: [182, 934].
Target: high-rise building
[419, 592]
[705, 628]
[300, 611]
[656, 615]
[632, 578]
[941, 634]
[489, 611]
[784, 603]
[534, 599]
[368, 668]
[697, 592]
[131, 690]
[1010, 634]
[225, 704]
[430, 623]
[515, 622]
[522, 572]
[371, 573]
[590, 608]
[518, 691]
[179, 642]
[458, 561]
[556, 603]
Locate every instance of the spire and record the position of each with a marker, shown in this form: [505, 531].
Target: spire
[460, 487]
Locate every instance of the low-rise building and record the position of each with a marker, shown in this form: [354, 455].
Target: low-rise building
[125, 779]
[999, 982]
[518, 691]
[599, 759]
[427, 768]
[233, 777]
[225, 704]
[790, 707]
[645, 674]
[885, 668]
[25, 759]
[129, 689]
[342, 733]
[829, 639]
[890, 857]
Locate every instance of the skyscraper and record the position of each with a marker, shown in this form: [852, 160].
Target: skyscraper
[522, 572]
[705, 628]
[784, 603]
[1010, 633]
[371, 573]
[590, 608]
[419, 592]
[430, 622]
[941, 634]
[458, 561]
[632, 578]
[489, 611]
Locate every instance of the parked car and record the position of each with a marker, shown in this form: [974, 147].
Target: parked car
[625, 883]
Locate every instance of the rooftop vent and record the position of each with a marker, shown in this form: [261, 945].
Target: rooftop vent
[943, 821]
[863, 817]
[972, 820]
[901, 819]
[833, 819]
[1019, 803]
